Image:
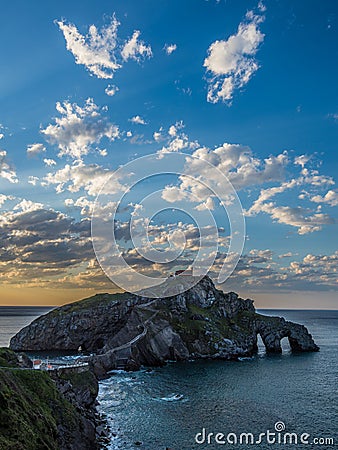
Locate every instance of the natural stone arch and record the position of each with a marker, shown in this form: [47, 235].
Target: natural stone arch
[274, 329]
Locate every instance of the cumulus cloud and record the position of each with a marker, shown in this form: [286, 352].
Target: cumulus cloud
[35, 149]
[33, 180]
[176, 139]
[245, 170]
[331, 198]
[157, 135]
[96, 50]
[304, 219]
[44, 242]
[237, 162]
[6, 170]
[27, 206]
[101, 51]
[111, 90]
[79, 128]
[77, 176]
[49, 162]
[135, 48]
[89, 207]
[285, 255]
[298, 217]
[170, 48]
[240, 165]
[302, 160]
[231, 63]
[260, 273]
[138, 120]
[3, 199]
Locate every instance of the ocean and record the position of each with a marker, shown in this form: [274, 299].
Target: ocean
[185, 406]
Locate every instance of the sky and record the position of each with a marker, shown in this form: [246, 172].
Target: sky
[249, 87]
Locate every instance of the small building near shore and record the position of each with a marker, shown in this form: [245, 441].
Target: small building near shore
[37, 364]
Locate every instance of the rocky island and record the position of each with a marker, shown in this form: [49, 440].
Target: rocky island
[127, 331]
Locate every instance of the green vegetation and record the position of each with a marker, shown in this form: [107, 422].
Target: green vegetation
[199, 322]
[90, 302]
[8, 358]
[31, 409]
[81, 380]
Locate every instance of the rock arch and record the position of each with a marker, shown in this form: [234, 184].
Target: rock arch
[272, 330]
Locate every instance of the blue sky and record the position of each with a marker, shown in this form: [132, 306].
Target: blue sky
[253, 84]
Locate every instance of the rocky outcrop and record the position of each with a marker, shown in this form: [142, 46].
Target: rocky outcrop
[274, 329]
[46, 410]
[127, 331]
[10, 359]
[80, 388]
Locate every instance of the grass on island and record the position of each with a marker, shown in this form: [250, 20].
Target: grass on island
[31, 409]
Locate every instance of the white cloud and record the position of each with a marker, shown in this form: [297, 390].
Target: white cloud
[267, 194]
[96, 50]
[331, 198]
[313, 272]
[172, 130]
[87, 207]
[49, 162]
[78, 176]
[208, 204]
[176, 139]
[232, 62]
[6, 171]
[263, 254]
[319, 269]
[40, 245]
[285, 255]
[138, 120]
[302, 218]
[33, 180]
[157, 136]
[35, 149]
[238, 163]
[101, 51]
[3, 198]
[27, 206]
[302, 160]
[298, 217]
[135, 49]
[78, 128]
[245, 170]
[174, 194]
[170, 48]
[111, 90]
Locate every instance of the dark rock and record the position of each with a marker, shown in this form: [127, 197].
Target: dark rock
[40, 410]
[127, 331]
[10, 359]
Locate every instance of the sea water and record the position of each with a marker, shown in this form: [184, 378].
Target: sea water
[181, 405]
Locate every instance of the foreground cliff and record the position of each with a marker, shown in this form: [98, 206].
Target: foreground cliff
[40, 410]
[127, 331]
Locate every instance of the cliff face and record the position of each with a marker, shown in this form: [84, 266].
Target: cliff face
[40, 410]
[126, 331]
